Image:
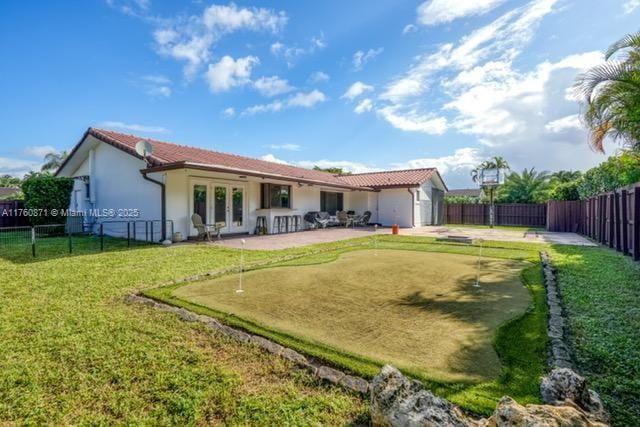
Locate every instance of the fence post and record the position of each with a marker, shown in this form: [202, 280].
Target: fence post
[128, 234]
[33, 241]
[69, 237]
[624, 220]
[151, 226]
[612, 199]
[636, 223]
[101, 237]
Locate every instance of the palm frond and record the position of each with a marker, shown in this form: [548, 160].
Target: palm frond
[630, 40]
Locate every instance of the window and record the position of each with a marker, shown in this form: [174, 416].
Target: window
[275, 196]
[200, 201]
[418, 195]
[331, 202]
[87, 190]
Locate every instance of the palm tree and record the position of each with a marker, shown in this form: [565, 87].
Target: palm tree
[53, 160]
[560, 177]
[611, 95]
[528, 187]
[496, 162]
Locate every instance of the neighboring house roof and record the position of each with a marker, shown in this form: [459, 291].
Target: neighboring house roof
[391, 179]
[465, 192]
[8, 192]
[168, 156]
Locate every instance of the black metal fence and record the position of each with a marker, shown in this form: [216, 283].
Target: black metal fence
[55, 239]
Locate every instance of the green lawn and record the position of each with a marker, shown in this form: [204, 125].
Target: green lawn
[71, 351]
[419, 311]
[522, 364]
[521, 228]
[601, 293]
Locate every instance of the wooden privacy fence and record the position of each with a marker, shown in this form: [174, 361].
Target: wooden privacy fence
[526, 214]
[612, 219]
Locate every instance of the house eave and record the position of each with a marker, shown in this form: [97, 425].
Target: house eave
[248, 172]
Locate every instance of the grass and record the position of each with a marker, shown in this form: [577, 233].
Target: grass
[72, 352]
[419, 311]
[601, 293]
[522, 364]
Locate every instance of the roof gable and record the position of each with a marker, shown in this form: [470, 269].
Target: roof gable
[388, 179]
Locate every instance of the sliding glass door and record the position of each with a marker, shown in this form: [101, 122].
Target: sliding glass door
[221, 204]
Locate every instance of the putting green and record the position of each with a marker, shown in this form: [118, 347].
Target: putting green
[416, 310]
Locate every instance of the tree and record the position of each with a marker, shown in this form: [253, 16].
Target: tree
[529, 186]
[617, 171]
[611, 95]
[496, 162]
[333, 171]
[9, 181]
[52, 161]
[43, 192]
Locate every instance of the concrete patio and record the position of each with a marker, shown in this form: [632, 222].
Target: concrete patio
[311, 237]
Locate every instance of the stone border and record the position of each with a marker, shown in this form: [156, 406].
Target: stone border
[334, 376]
[560, 354]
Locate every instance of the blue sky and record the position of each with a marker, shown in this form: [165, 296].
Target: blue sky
[366, 85]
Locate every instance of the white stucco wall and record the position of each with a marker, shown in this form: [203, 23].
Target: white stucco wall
[395, 206]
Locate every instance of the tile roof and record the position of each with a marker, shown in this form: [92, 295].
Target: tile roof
[385, 179]
[166, 153]
[8, 191]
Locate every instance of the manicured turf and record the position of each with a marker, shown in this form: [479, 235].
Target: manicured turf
[601, 293]
[522, 363]
[416, 310]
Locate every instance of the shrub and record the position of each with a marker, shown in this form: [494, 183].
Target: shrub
[47, 192]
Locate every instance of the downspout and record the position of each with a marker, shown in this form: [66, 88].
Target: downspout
[163, 207]
[413, 209]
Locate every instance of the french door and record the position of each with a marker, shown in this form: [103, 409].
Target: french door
[228, 207]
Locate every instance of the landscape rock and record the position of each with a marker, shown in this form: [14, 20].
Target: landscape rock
[562, 385]
[270, 346]
[294, 356]
[332, 375]
[355, 383]
[509, 413]
[398, 401]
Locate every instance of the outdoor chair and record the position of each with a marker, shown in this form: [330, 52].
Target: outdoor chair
[344, 218]
[362, 220]
[205, 230]
[323, 219]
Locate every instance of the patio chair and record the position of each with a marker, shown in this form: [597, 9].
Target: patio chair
[362, 220]
[205, 230]
[344, 218]
[323, 219]
[315, 220]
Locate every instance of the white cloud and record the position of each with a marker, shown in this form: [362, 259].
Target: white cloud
[630, 5]
[563, 124]
[229, 73]
[190, 39]
[155, 85]
[356, 89]
[133, 127]
[409, 28]
[299, 100]
[288, 147]
[455, 169]
[433, 12]
[272, 86]
[228, 112]
[17, 167]
[292, 53]
[364, 106]
[39, 150]
[130, 7]
[414, 121]
[273, 159]
[360, 58]
[306, 100]
[318, 77]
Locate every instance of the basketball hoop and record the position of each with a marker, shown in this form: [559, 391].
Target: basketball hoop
[492, 178]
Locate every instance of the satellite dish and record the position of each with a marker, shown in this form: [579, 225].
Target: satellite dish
[144, 148]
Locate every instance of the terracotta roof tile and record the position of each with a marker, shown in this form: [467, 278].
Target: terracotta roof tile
[398, 178]
[165, 153]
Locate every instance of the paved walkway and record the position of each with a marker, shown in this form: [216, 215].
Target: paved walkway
[502, 234]
[311, 237]
[301, 238]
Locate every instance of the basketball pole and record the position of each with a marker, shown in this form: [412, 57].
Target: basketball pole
[240, 290]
